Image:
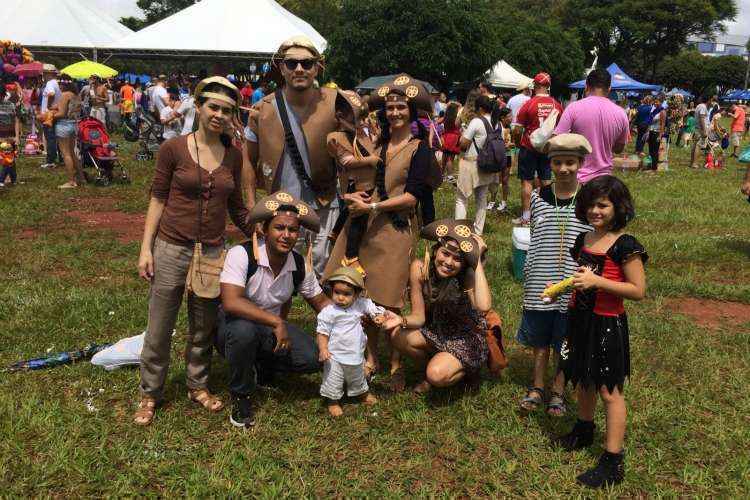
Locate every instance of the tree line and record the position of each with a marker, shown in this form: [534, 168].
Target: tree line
[447, 41]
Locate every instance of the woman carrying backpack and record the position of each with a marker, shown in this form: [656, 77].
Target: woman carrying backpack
[472, 180]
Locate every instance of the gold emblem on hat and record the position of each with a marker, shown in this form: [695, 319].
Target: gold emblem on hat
[412, 91]
[272, 205]
[466, 246]
[284, 197]
[441, 230]
[401, 80]
[302, 209]
[462, 231]
[355, 100]
[383, 91]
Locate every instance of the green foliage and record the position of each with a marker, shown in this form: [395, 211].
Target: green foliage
[532, 46]
[638, 34]
[701, 74]
[435, 40]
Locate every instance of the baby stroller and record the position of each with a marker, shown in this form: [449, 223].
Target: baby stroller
[97, 151]
[143, 128]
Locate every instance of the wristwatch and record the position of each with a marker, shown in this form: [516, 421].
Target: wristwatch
[374, 206]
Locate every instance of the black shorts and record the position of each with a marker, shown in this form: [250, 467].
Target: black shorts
[533, 164]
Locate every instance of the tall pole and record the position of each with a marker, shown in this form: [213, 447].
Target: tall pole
[747, 56]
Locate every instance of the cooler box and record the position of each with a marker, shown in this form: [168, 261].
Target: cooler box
[521, 238]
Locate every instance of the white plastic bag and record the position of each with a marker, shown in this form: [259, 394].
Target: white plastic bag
[125, 352]
[540, 136]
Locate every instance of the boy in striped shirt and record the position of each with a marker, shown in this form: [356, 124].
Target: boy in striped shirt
[554, 228]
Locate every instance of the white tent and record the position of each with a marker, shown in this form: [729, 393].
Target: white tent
[504, 75]
[58, 23]
[230, 26]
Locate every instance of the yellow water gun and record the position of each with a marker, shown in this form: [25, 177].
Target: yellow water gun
[556, 289]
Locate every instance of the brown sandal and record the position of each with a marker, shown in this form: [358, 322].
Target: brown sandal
[206, 400]
[144, 415]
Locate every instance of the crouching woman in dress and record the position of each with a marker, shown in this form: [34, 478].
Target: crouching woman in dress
[449, 299]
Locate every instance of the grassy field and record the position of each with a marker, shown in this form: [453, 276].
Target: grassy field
[68, 279]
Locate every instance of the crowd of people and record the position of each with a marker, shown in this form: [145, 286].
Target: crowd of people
[348, 183]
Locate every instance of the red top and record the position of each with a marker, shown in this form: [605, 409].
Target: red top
[539, 106]
[607, 304]
[247, 94]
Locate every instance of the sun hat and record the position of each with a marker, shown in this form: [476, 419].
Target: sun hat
[347, 275]
[217, 95]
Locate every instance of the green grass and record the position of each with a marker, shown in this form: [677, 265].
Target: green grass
[71, 284]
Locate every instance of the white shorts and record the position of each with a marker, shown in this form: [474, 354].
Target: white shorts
[736, 138]
[336, 375]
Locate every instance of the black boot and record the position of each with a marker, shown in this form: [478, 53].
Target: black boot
[582, 436]
[610, 470]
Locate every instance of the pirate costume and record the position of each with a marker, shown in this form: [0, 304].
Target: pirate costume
[292, 152]
[249, 345]
[353, 175]
[452, 324]
[386, 246]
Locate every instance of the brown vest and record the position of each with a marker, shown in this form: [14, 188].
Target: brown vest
[363, 178]
[316, 127]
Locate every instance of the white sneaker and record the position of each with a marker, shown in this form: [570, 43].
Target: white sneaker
[491, 205]
[2, 185]
[502, 206]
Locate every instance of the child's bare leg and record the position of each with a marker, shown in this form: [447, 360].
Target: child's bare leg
[541, 358]
[586, 403]
[334, 408]
[614, 402]
[371, 362]
[558, 383]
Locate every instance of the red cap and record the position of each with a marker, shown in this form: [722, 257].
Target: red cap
[542, 79]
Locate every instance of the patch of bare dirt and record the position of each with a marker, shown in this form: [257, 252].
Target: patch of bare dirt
[129, 227]
[712, 314]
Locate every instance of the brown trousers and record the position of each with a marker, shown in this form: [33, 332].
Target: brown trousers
[171, 263]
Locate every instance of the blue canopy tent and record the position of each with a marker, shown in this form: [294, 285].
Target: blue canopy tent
[131, 77]
[620, 81]
[737, 95]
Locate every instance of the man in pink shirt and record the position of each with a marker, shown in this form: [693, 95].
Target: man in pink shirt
[738, 127]
[599, 120]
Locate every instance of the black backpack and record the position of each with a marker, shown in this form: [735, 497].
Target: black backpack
[252, 265]
[491, 157]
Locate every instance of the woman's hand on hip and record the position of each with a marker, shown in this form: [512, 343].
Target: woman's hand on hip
[146, 265]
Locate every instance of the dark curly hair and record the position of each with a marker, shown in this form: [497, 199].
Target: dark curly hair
[607, 186]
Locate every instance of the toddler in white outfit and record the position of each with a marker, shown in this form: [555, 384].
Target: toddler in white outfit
[342, 339]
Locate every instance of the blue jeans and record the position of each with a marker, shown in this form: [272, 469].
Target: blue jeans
[249, 346]
[53, 154]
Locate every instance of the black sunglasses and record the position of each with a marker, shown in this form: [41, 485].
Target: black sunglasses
[307, 64]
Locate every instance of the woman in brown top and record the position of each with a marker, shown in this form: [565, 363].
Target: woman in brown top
[386, 247]
[201, 169]
[67, 112]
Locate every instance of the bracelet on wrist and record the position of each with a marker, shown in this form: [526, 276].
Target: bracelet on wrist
[404, 322]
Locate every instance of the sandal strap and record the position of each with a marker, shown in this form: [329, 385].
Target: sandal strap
[204, 398]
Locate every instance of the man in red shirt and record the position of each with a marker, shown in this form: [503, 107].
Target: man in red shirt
[532, 163]
[247, 95]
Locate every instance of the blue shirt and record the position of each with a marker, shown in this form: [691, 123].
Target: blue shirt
[257, 95]
[643, 114]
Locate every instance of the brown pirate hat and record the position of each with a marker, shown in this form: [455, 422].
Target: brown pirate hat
[283, 203]
[402, 87]
[456, 235]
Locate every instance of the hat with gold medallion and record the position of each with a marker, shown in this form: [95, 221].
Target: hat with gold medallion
[200, 90]
[402, 88]
[282, 203]
[456, 236]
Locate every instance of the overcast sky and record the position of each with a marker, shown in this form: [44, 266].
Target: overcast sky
[120, 8]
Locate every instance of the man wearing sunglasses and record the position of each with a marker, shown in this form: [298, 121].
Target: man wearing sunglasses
[286, 141]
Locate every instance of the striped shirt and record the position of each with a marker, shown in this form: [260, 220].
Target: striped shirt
[545, 263]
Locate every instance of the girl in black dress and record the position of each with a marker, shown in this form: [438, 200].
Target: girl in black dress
[596, 356]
